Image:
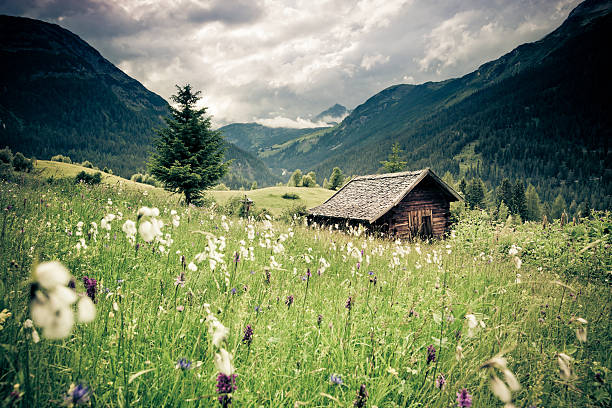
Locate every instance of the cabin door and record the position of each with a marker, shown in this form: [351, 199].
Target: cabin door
[426, 228]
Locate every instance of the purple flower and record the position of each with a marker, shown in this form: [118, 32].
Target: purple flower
[431, 354]
[335, 379]
[233, 291]
[236, 257]
[268, 276]
[308, 274]
[77, 395]
[72, 284]
[183, 364]
[464, 399]
[319, 320]
[226, 384]
[91, 285]
[440, 381]
[362, 397]
[349, 303]
[180, 280]
[289, 301]
[248, 335]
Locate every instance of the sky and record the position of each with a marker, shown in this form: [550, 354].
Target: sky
[281, 62]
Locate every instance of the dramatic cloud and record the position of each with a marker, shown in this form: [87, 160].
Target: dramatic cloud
[277, 62]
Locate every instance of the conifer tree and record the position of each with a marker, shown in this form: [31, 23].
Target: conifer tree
[504, 193]
[519, 200]
[475, 193]
[189, 154]
[394, 164]
[462, 186]
[534, 206]
[558, 207]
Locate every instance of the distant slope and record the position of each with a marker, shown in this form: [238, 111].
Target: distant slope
[59, 95]
[540, 113]
[245, 169]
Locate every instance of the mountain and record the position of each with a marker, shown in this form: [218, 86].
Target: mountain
[58, 95]
[333, 115]
[539, 113]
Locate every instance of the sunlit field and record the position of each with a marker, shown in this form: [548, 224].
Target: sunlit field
[194, 308]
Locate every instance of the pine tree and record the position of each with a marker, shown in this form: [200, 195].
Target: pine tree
[189, 154]
[462, 186]
[336, 179]
[534, 206]
[558, 207]
[503, 212]
[394, 164]
[504, 193]
[519, 200]
[475, 194]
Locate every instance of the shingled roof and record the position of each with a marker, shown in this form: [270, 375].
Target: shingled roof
[370, 197]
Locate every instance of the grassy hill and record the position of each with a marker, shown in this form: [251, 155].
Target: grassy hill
[269, 197]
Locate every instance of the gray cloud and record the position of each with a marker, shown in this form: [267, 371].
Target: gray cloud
[284, 60]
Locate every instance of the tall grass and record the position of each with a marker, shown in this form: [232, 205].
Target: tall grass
[404, 298]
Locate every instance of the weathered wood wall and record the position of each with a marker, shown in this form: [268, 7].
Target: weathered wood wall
[426, 199]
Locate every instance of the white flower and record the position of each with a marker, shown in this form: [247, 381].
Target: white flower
[129, 227]
[565, 370]
[499, 388]
[146, 231]
[219, 333]
[51, 274]
[55, 317]
[223, 362]
[86, 310]
[192, 267]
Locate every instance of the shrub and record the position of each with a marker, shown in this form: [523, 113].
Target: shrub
[61, 158]
[294, 213]
[22, 163]
[86, 178]
[220, 187]
[291, 196]
[87, 164]
[6, 156]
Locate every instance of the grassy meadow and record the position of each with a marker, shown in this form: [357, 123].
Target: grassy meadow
[412, 324]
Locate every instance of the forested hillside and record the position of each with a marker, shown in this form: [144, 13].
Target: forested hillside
[539, 113]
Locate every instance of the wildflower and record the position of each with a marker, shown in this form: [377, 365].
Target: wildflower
[234, 291]
[248, 335]
[180, 280]
[223, 362]
[268, 276]
[440, 381]
[78, 394]
[226, 384]
[349, 303]
[458, 352]
[180, 308]
[431, 354]
[581, 330]
[464, 399]
[192, 267]
[501, 389]
[4, 315]
[91, 287]
[51, 275]
[565, 369]
[335, 379]
[183, 364]
[319, 320]
[175, 218]
[129, 227]
[51, 300]
[289, 301]
[86, 310]
[362, 397]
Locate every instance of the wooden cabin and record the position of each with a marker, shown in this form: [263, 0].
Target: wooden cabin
[405, 205]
